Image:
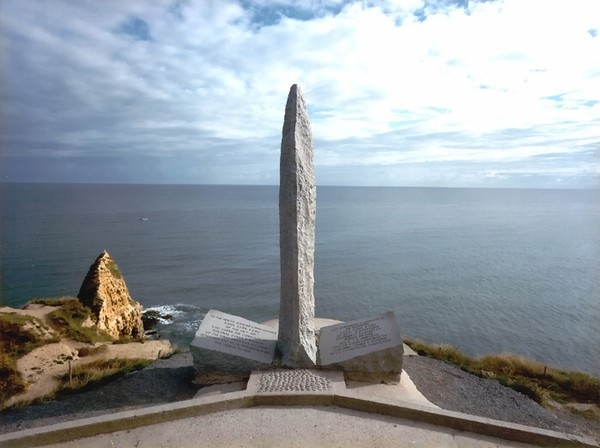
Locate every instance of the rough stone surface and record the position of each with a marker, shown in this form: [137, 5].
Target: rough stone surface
[228, 347]
[365, 350]
[297, 214]
[301, 380]
[104, 291]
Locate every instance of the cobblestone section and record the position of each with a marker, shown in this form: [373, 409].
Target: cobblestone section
[293, 381]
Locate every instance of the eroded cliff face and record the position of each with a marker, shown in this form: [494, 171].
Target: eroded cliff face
[104, 291]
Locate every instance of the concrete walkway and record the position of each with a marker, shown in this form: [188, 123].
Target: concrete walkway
[286, 409]
[269, 426]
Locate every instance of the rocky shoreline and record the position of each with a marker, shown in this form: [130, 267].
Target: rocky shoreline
[169, 380]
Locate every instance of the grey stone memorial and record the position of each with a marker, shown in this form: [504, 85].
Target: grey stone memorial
[227, 345]
[297, 214]
[368, 349]
[228, 348]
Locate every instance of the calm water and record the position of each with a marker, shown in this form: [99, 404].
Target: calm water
[483, 270]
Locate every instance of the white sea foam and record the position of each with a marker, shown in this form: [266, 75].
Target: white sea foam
[178, 312]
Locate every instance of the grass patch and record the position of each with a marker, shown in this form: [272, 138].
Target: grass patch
[51, 301]
[114, 269]
[176, 351]
[70, 318]
[128, 340]
[18, 334]
[539, 382]
[18, 338]
[98, 371]
[11, 382]
[90, 351]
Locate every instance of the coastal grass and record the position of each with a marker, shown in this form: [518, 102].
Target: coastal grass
[73, 320]
[11, 382]
[22, 334]
[542, 383]
[114, 269]
[51, 301]
[19, 337]
[97, 372]
[89, 375]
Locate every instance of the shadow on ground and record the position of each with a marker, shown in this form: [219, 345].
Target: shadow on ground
[165, 381]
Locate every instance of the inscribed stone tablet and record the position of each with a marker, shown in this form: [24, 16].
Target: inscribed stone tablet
[236, 336]
[349, 340]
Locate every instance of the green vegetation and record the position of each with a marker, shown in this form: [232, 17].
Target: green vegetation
[51, 301]
[20, 334]
[11, 382]
[90, 351]
[114, 269]
[127, 339]
[542, 383]
[99, 371]
[19, 337]
[70, 319]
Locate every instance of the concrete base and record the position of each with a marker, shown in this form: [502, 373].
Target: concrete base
[369, 377]
[356, 414]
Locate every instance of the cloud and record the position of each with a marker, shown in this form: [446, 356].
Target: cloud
[136, 28]
[430, 92]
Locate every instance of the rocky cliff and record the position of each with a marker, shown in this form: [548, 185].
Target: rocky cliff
[104, 291]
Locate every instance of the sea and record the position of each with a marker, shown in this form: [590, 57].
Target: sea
[484, 270]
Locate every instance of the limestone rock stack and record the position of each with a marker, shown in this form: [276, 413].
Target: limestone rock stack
[104, 291]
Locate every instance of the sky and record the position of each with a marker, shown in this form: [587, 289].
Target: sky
[435, 93]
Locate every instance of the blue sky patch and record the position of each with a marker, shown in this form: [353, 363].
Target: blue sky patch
[272, 15]
[136, 28]
[555, 97]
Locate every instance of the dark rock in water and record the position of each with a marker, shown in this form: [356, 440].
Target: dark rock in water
[152, 335]
[151, 318]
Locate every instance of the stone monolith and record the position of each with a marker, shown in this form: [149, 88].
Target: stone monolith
[297, 212]
[104, 291]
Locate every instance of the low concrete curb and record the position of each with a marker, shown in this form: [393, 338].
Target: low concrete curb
[248, 398]
[464, 422]
[120, 421]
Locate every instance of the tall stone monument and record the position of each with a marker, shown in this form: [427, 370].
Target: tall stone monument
[297, 213]
[227, 348]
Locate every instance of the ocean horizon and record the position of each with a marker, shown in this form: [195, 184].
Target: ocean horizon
[485, 270]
